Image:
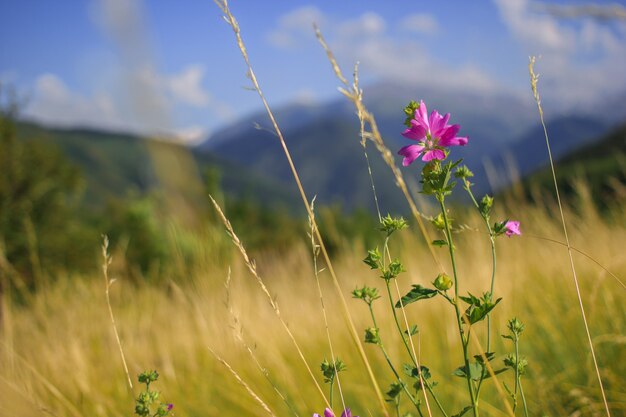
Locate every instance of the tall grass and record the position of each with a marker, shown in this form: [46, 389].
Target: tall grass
[62, 358]
[221, 350]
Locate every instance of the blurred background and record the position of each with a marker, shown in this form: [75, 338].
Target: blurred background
[127, 113]
[120, 117]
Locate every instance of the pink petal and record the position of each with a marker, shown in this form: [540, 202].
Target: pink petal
[438, 124]
[421, 116]
[512, 228]
[434, 154]
[449, 137]
[416, 132]
[410, 153]
[328, 413]
[346, 413]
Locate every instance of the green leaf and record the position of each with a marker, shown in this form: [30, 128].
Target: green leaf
[471, 300]
[439, 242]
[463, 411]
[480, 312]
[412, 331]
[417, 293]
[395, 389]
[488, 355]
[475, 371]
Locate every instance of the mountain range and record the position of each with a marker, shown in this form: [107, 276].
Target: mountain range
[506, 142]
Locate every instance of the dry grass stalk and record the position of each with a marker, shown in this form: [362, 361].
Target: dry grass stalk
[355, 94]
[238, 332]
[108, 282]
[230, 19]
[243, 383]
[252, 267]
[534, 78]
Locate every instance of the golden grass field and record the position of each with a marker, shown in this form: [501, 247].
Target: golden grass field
[59, 356]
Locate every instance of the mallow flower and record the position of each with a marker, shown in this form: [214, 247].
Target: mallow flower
[329, 413]
[433, 134]
[512, 228]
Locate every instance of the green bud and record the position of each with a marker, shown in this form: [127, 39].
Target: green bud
[515, 326]
[330, 370]
[409, 112]
[443, 282]
[521, 363]
[366, 294]
[485, 205]
[371, 336]
[390, 225]
[439, 222]
[373, 258]
[463, 172]
[148, 377]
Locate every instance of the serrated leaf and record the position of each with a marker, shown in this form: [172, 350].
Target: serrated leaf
[417, 293]
[496, 372]
[412, 331]
[475, 371]
[463, 411]
[480, 312]
[488, 355]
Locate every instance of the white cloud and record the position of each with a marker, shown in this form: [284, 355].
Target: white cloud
[540, 31]
[54, 103]
[292, 27]
[420, 23]
[366, 39]
[583, 60]
[368, 24]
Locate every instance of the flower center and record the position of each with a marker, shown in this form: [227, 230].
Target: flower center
[430, 141]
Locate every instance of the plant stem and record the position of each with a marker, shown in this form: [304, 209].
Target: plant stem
[521, 390]
[464, 342]
[426, 386]
[492, 240]
[393, 369]
[517, 375]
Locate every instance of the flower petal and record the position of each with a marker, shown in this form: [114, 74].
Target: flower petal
[346, 413]
[434, 154]
[512, 228]
[449, 137]
[438, 124]
[416, 132]
[410, 153]
[328, 413]
[421, 116]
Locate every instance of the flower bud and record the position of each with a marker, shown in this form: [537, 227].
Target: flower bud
[371, 335]
[442, 282]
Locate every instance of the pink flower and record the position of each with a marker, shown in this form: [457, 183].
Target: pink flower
[329, 413]
[512, 228]
[433, 135]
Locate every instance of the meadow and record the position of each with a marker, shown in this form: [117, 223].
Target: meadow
[212, 331]
[59, 355]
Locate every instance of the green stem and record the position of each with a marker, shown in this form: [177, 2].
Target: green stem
[331, 392]
[517, 375]
[464, 342]
[485, 218]
[393, 369]
[521, 390]
[404, 340]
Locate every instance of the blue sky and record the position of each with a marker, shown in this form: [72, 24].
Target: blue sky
[172, 66]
